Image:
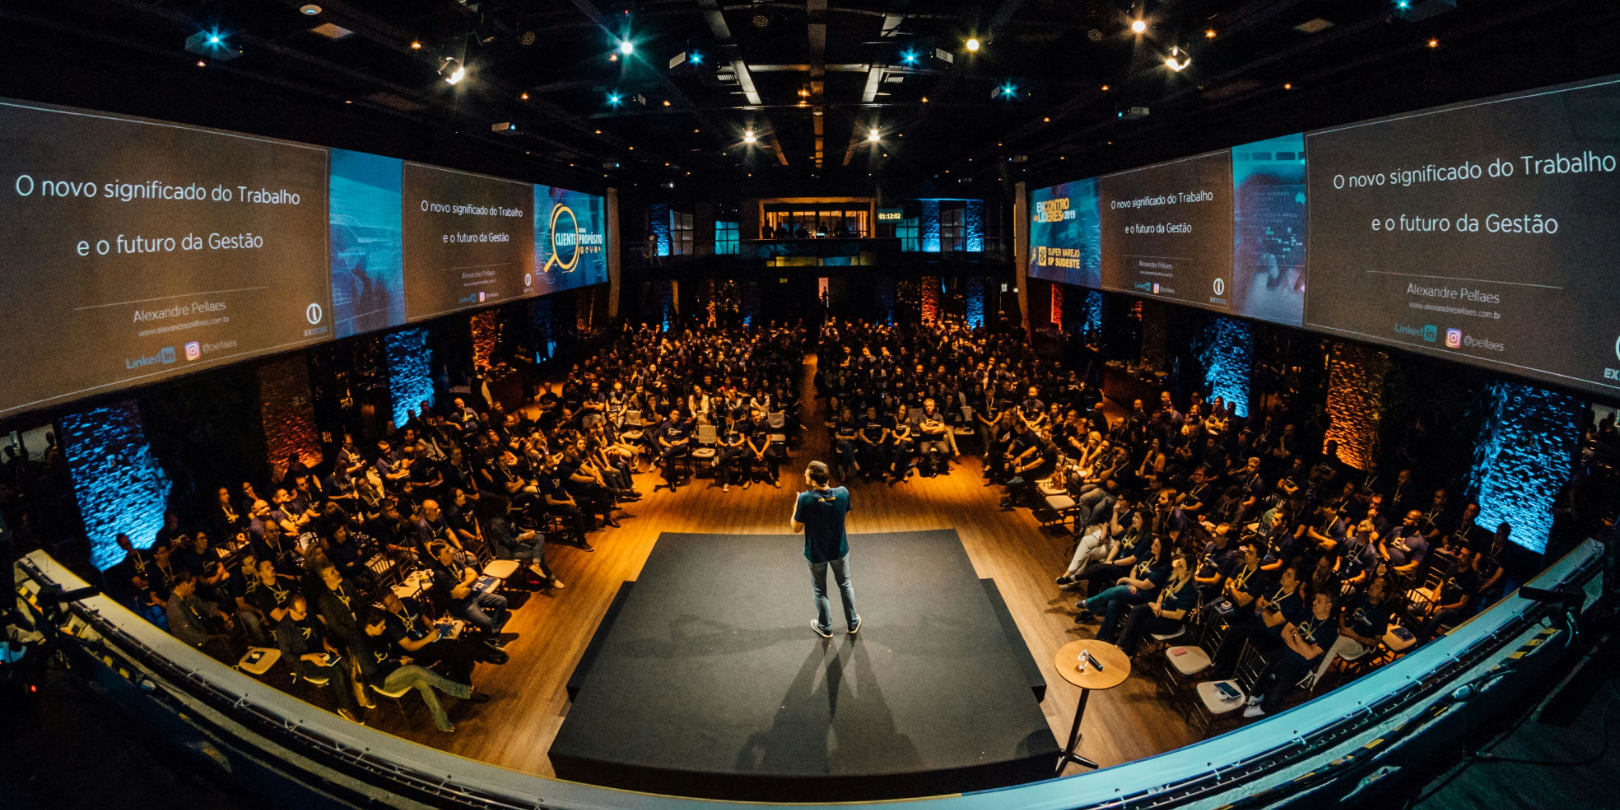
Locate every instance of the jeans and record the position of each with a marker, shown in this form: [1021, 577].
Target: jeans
[818, 579]
[476, 610]
[424, 681]
[1110, 604]
[336, 677]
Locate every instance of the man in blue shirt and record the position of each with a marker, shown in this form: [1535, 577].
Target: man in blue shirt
[819, 513]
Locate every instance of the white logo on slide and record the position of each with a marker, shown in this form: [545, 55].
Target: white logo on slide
[313, 314]
[1220, 286]
[528, 279]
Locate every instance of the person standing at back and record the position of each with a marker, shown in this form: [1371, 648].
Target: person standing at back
[819, 514]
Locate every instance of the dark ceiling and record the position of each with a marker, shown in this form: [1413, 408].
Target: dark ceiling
[1038, 101]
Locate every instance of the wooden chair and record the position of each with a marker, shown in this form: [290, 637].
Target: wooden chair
[1210, 707]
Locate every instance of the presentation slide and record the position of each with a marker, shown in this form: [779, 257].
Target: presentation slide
[468, 240]
[1487, 231]
[1065, 234]
[137, 250]
[570, 239]
[368, 259]
[1167, 230]
[1268, 230]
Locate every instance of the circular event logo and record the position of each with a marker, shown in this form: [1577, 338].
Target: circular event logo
[528, 279]
[313, 314]
[573, 260]
[1220, 286]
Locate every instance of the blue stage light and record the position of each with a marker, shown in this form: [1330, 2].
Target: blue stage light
[908, 56]
[614, 99]
[696, 57]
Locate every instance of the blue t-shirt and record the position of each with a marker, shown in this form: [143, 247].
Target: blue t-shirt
[822, 513]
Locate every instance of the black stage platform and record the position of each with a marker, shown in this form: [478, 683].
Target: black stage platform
[711, 683]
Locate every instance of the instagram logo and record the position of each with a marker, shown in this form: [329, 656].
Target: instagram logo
[193, 350]
[1453, 338]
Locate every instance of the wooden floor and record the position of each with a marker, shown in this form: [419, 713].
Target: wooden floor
[516, 727]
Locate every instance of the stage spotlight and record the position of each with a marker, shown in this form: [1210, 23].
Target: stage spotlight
[627, 47]
[909, 57]
[416, 45]
[452, 70]
[1209, 33]
[973, 43]
[1139, 26]
[874, 136]
[212, 44]
[614, 99]
[1177, 60]
[750, 137]
[310, 9]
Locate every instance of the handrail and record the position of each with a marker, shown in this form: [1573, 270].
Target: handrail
[326, 747]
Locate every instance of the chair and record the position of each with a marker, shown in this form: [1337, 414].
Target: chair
[1185, 662]
[398, 698]
[706, 439]
[634, 430]
[777, 421]
[501, 569]
[967, 427]
[384, 570]
[1210, 707]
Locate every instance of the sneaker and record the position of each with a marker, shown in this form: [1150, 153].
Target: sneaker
[1254, 711]
[586, 546]
[725, 487]
[557, 583]
[478, 697]
[856, 627]
[1254, 700]
[820, 631]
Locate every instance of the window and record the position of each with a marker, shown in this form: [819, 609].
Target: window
[680, 234]
[906, 231]
[725, 237]
[952, 229]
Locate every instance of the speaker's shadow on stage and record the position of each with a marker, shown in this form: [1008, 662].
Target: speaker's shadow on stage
[829, 723]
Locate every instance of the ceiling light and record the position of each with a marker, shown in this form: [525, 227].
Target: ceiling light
[200, 63]
[415, 45]
[615, 99]
[310, 9]
[1105, 88]
[627, 47]
[749, 137]
[908, 56]
[1209, 33]
[1046, 120]
[213, 39]
[972, 44]
[874, 136]
[1288, 86]
[452, 70]
[666, 102]
[1434, 43]
[925, 100]
[1140, 26]
[1177, 60]
[524, 96]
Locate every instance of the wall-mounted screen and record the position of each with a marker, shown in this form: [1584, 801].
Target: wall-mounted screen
[135, 250]
[1167, 230]
[570, 239]
[1065, 237]
[469, 240]
[1487, 232]
[1268, 230]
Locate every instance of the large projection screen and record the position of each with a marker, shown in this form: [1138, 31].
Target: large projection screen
[1487, 232]
[137, 250]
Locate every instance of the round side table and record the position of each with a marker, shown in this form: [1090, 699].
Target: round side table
[1116, 667]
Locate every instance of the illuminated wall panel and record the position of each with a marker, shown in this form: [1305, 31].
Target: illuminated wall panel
[1355, 401]
[1226, 351]
[974, 304]
[118, 483]
[287, 411]
[410, 371]
[973, 224]
[930, 299]
[486, 332]
[928, 225]
[1522, 458]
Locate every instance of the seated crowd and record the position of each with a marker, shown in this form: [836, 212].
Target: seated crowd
[1181, 519]
[378, 573]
